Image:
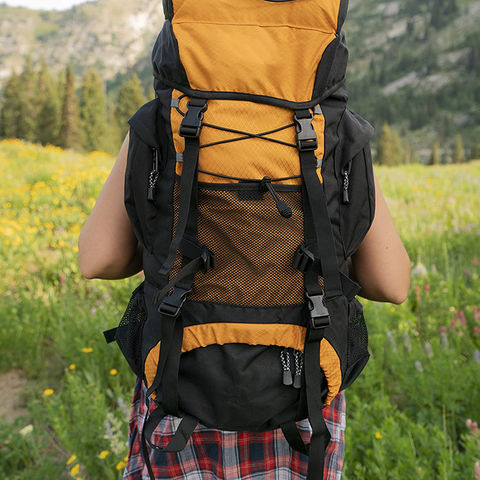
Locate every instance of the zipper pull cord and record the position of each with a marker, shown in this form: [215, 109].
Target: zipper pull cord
[287, 373]
[153, 177]
[297, 381]
[346, 182]
[283, 208]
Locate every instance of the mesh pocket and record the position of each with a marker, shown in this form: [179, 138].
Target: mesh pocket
[129, 331]
[253, 244]
[357, 352]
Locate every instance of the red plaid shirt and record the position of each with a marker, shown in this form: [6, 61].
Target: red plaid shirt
[216, 454]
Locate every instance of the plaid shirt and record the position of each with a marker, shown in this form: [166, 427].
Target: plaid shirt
[216, 454]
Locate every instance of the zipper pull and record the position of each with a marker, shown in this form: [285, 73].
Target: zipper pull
[283, 208]
[346, 182]
[287, 373]
[153, 177]
[297, 381]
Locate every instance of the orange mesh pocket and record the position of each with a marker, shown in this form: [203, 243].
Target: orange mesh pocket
[253, 244]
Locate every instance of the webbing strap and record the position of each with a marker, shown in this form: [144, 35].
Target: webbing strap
[313, 376]
[293, 437]
[178, 441]
[187, 183]
[316, 211]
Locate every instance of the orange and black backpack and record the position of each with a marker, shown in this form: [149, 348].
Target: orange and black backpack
[249, 183]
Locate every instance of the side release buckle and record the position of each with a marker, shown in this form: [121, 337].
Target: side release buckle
[306, 135]
[192, 121]
[320, 318]
[172, 303]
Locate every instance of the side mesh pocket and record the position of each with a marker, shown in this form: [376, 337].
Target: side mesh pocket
[129, 331]
[357, 349]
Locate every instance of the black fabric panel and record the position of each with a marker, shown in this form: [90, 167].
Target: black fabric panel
[195, 313]
[336, 75]
[342, 14]
[324, 68]
[166, 58]
[246, 398]
[168, 9]
[356, 217]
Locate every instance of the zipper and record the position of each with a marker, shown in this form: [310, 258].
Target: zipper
[287, 373]
[297, 379]
[346, 181]
[153, 176]
[282, 207]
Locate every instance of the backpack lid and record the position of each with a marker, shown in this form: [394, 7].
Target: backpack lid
[144, 122]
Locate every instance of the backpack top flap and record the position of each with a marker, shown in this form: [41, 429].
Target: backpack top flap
[250, 49]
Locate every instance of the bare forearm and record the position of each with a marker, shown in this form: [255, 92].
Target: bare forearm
[381, 264]
[107, 246]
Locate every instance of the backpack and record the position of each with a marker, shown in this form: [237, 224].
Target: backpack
[249, 184]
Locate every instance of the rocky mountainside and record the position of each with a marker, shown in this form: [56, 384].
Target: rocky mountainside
[412, 64]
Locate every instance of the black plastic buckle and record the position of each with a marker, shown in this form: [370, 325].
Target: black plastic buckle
[303, 259]
[306, 135]
[320, 318]
[172, 303]
[208, 258]
[192, 121]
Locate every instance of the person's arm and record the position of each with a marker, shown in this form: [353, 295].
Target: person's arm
[107, 246]
[381, 264]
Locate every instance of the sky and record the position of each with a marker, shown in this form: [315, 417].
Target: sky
[43, 4]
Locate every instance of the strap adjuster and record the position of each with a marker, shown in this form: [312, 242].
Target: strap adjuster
[303, 259]
[208, 258]
[192, 121]
[306, 135]
[320, 318]
[172, 303]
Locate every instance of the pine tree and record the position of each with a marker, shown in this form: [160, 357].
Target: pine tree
[459, 152]
[93, 115]
[390, 150]
[115, 140]
[476, 151]
[435, 158]
[70, 135]
[28, 103]
[10, 107]
[48, 117]
[130, 98]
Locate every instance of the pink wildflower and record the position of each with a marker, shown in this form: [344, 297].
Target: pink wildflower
[475, 261]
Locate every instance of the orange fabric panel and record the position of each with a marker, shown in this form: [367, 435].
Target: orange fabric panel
[330, 364]
[151, 363]
[289, 336]
[251, 158]
[307, 14]
[253, 46]
[277, 62]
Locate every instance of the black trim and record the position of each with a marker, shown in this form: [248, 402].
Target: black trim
[243, 184]
[248, 97]
[342, 14]
[168, 9]
[324, 68]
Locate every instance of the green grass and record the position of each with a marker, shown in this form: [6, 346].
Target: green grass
[406, 414]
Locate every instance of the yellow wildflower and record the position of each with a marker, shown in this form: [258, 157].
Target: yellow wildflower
[120, 465]
[72, 367]
[47, 392]
[392, 309]
[71, 459]
[113, 371]
[74, 471]
[378, 435]
[87, 349]
[103, 454]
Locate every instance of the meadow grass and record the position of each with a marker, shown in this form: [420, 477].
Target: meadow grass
[407, 415]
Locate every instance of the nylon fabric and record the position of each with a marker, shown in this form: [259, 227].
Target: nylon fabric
[289, 336]
[263, 40]
[151, 363]
[240, 158]
[330, 364]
